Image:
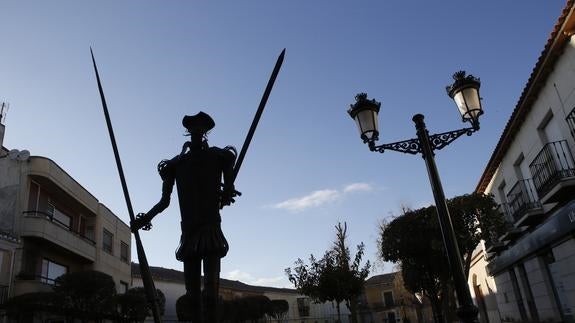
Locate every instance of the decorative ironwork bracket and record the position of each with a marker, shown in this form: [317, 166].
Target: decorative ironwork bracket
[413, 146]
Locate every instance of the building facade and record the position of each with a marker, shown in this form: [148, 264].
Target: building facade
[51, 225]
[301, 308]
[530, 273]
[386, 300]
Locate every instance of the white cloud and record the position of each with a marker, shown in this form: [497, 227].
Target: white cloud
[238, 275]
[316, 198]
[358, 187]
[247, 278]
[321, 197]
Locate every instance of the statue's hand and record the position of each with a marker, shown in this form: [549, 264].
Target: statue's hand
[227, 196]
[140, 222]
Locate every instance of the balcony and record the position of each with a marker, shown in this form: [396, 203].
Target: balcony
[45, 226]
[512, 232]
[523, 204]
[571, 122]
[3, 294]
[496, 247]
[24, 284]
[553, 172]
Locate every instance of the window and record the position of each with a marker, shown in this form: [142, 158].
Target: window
[124, 251]
[90, 232]
[58, 216]
[303, 306]
[123, 287]
[107, 241]
[34, 196]
[51, 271]
[388, 298]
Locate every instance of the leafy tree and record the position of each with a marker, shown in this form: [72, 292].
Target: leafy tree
[22, 308]
[414, 240]
[333, 278]
[248, 308]
[87, 295]
[134, 306]
[253, 307]
[183, 308]
[131, 307]
[278, 308]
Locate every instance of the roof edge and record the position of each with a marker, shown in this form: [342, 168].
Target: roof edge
[557, 40]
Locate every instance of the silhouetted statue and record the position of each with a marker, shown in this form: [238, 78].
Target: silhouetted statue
[198, 171]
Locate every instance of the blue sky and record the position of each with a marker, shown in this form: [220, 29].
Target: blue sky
[307, 169]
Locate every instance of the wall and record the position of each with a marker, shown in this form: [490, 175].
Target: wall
[540, 286]
[480, 282]
[111, 263]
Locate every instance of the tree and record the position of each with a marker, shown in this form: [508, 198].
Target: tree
[278, 309]
[22, 308]
[333, 278]
[87, 295]
[134, 306]
[414, 240]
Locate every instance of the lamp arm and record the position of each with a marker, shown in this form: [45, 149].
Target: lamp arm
[440, 140]
[413, 146]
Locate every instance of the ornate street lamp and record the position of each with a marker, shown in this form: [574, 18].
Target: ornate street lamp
[465, 92]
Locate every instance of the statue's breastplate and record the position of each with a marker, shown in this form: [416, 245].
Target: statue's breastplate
[198, 179]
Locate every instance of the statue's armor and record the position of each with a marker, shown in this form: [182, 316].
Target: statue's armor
[198, 177]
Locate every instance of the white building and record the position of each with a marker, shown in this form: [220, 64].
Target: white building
[301, 308]
[531, 273]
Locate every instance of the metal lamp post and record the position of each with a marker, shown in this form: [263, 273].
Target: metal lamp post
[465, 92]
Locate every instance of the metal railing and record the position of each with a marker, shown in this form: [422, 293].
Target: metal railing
[522, 198]
[504, 210]
[571, 122]
[553, 163]
[51, 218]
[36, 277]
[3, 294]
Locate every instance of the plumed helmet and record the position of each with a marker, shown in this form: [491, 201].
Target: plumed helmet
[199, 123]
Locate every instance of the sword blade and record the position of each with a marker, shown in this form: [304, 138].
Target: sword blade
[258, 115]
[144, 267]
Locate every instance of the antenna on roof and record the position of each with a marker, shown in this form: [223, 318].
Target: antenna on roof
[3, 110]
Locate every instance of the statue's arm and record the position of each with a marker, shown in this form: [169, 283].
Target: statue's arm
[229, 191]
[166, 170]
[164, 202]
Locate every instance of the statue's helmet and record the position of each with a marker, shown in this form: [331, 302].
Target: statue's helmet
[198, 123]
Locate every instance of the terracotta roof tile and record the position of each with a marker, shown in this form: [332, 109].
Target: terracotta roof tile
[381, 279]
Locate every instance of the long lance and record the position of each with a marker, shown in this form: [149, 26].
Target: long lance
[144, 267]
[261, 107]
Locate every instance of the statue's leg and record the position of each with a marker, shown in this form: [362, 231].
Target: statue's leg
[212, 286]
[193, 277]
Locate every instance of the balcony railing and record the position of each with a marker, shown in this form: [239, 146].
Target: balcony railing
[571, 122]
[522, 198]
[553, 164]
[3, 294]
[51, 218]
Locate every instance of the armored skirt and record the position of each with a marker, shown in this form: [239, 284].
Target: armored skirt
[207, 240]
